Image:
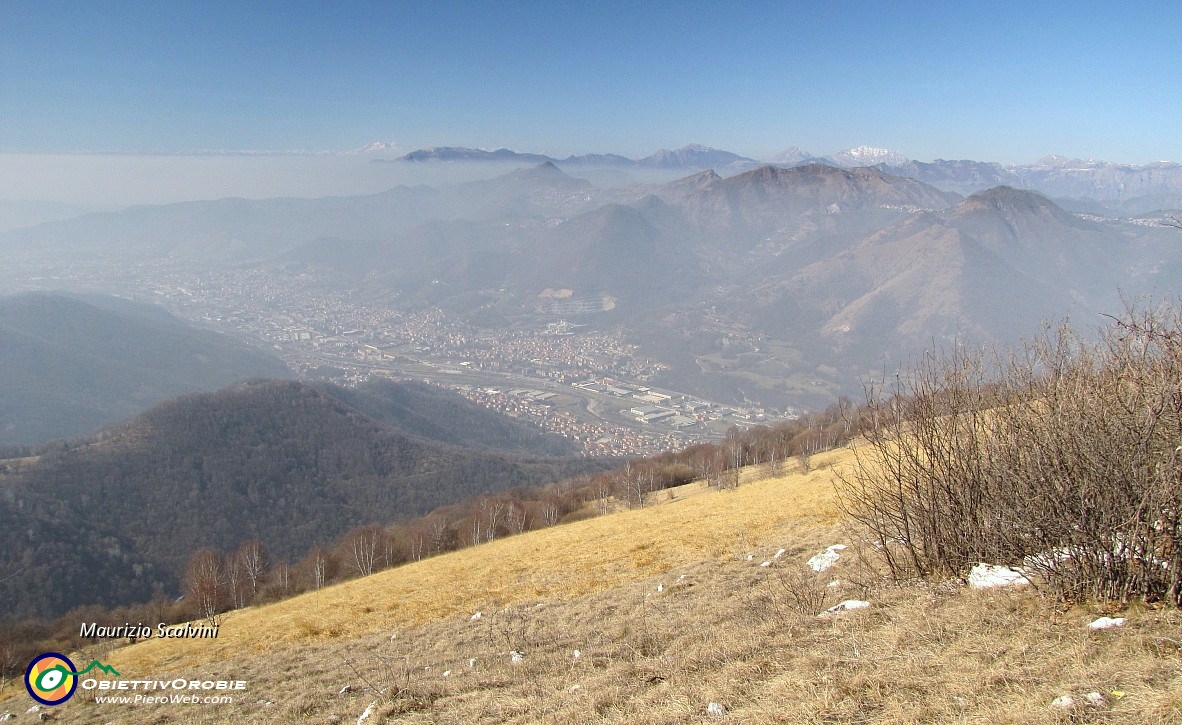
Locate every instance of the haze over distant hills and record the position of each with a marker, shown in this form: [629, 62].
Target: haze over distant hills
[1131, 188]
[693, 156]
[778, 285]
[69, 365]
[782, 284]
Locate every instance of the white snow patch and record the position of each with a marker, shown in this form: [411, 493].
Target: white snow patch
[1107, 623]
[475, 617]
[1094, 699]
[826, 558]
[779, 554]
[368, 711]
[846, 606]
[715, 709]
[576, 654]
[1063, 702]
[516, 657]
[987, 576]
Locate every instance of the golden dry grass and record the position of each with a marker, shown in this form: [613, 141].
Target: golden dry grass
[557, 563]
[721, 629]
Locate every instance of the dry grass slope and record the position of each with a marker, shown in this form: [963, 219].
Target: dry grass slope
[668, 614]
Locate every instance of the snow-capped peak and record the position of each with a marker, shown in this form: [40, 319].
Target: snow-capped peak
[869, 156]
[378, 147]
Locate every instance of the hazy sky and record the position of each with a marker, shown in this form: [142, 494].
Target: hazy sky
[998, 81]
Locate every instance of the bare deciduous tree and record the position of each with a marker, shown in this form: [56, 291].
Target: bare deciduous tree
[253, 560]
[204, 583]
[548, 511]
[236, 585]
[515, 517]
[364, 547]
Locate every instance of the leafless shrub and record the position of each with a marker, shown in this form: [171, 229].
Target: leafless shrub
[800, 590]
[389, 677]
[1063, 458]
[514, 630]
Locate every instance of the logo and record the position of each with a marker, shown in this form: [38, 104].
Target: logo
[51, 678]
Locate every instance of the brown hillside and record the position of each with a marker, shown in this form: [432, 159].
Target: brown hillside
[670, 610]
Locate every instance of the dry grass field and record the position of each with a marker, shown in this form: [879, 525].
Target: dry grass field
[660, 615]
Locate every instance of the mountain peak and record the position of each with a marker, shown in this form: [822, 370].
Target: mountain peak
[869, 156]
[459, 153]
[544, 171]
[792, 155]
[691, 156]
[1007, 195]
[1010, 203]
[377, 147]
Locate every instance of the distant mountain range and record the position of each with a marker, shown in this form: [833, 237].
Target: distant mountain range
[693, 156]
[1130, 188]
[782, 284]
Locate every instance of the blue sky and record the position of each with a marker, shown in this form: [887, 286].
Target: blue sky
[999, 81]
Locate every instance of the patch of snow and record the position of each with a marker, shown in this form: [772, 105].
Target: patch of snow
[715, 709]
[1107, 623]
[576, 654]
[471, 663]
[868, 156]
[766, 563]
[368, 711]
[660, 588]
[834, 583]
[575, 688]
[846, 606]
[516, 657]
[475, 617]
[346, 688]
[778, 554]
[1048, 559]
[988, 576]
[1063, 702]
[1094, 699]
[826, 558]
[446, 673]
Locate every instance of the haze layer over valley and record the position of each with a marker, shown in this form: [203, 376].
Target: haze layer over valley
[658, 305]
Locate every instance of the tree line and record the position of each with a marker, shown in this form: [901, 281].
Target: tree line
[216, 581]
